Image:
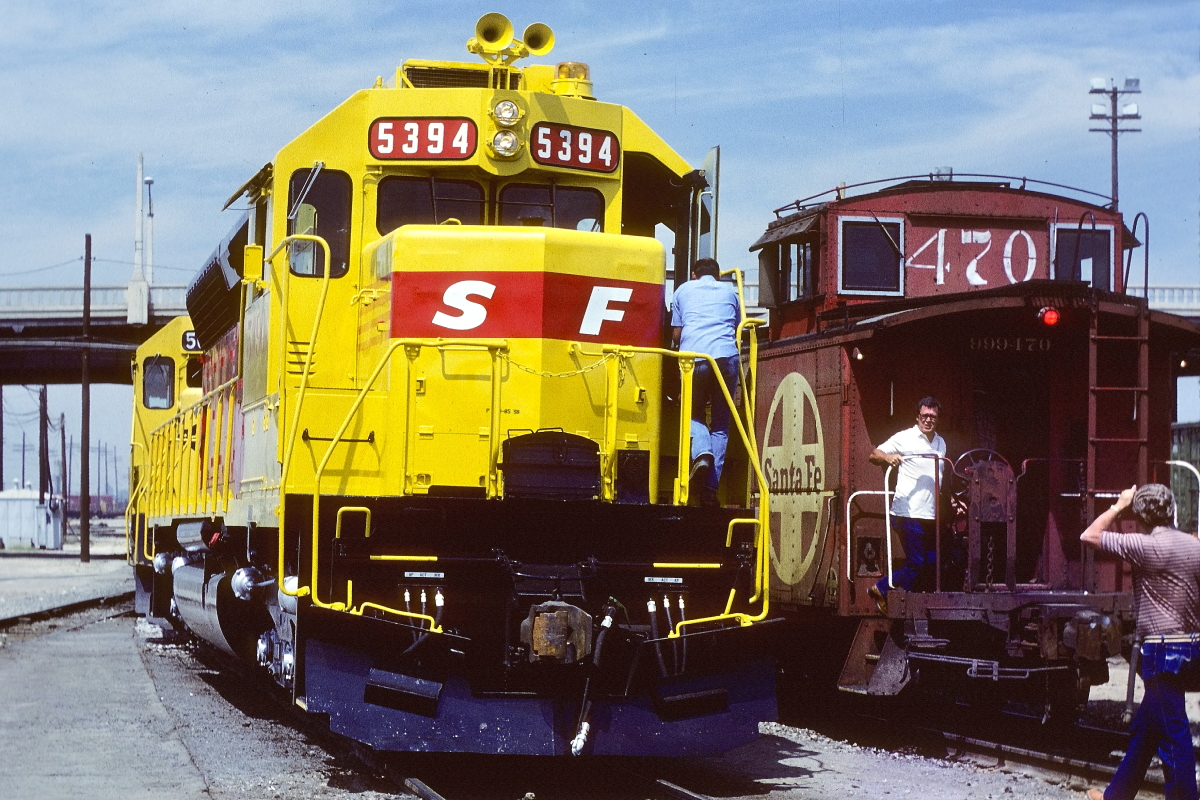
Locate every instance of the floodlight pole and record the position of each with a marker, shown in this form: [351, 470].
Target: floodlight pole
[1114, 118]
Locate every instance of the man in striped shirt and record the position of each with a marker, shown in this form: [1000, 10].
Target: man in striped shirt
[1166, 596]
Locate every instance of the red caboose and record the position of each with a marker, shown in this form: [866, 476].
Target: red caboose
[1057, 391]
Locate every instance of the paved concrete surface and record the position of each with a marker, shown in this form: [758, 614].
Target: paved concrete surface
[111, 708]
[38, 580]
[79, 718]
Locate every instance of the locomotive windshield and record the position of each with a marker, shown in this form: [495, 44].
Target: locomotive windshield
[427, 201]
[552, 206]
[158, 382]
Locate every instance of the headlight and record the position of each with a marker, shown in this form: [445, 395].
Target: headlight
[506, 143]
[507, 113]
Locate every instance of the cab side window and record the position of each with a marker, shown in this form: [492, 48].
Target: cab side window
[158, 382]
[552, 206]
[870, 256]
[194, 377]
[426, 201]
[319, 205]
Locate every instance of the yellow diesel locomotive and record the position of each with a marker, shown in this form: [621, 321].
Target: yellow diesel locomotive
[436, 484]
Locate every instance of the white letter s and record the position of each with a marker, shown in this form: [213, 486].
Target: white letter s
[473, 314]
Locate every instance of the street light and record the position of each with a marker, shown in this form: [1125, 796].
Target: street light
[1114, 116]
[149, 255]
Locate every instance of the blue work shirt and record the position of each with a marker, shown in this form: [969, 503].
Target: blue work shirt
[707, 309]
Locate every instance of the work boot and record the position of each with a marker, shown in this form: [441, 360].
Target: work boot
[702, 466]
[880, 599]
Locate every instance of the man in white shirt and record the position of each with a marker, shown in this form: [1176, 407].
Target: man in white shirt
[916, 452]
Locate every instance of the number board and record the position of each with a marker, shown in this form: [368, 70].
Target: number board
[577, 148]
[423, 138]
[1010, 344]
[190, 343]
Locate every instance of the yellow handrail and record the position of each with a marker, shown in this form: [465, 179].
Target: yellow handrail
[491, 345]
[293, 434]
[762, 564]
[185, 480]
[130, 512]
[433, 626]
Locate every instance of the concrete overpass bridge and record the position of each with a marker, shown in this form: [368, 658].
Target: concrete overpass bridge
[41, 330]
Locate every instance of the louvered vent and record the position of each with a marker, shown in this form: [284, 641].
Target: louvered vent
[461, 78]
[297, 352]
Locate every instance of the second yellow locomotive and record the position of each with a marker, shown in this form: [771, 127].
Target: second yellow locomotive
[437, 482]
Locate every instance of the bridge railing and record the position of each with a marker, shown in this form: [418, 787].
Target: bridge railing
[57, 302]
[1182, 300]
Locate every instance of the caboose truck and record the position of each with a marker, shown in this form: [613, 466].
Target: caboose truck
[1057, 391]
[436, 486]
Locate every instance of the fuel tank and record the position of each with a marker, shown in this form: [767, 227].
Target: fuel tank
[207, 605]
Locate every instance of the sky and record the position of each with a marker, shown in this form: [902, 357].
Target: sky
[800, 95]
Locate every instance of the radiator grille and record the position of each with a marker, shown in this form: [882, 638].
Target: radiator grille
[460, 78]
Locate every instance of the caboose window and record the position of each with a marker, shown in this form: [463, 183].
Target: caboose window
[870, 260]
[1084, 255]
[796, 270]
[552, 206]
[158, 382]
[426, 201]
[319, 205]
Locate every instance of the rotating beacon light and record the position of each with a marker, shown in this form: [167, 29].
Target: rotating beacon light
[1049, 315]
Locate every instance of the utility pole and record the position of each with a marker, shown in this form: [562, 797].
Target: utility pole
[43, 447]
[1110, 115]
[62, 480]
[85, 422]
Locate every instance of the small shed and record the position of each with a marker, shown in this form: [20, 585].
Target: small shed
[24, 521]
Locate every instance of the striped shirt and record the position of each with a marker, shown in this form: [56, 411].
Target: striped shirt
[1166, 578]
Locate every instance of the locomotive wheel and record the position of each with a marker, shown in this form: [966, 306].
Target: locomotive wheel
[1066, 701]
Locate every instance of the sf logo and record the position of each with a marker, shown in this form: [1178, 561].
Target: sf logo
[794, 466]
[472, 313]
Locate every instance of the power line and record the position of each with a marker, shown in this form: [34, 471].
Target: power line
[42, 269]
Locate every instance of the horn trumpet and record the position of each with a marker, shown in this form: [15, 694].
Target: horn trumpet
[538, 39]
[493, 32]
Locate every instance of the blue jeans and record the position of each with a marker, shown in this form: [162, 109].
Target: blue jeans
[920, 551]
[705, 390]
[1160, 725]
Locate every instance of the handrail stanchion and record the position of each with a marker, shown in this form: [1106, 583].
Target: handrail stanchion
[687, 369]
[762, 564]
[1195, 472]
[887, 521]
[490, 345]
[850, 500]
[292, 434]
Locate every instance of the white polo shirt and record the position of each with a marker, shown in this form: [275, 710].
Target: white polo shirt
[915, 489]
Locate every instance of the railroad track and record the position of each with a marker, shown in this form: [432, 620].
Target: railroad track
[65, 610]
[1083, 755]
[457, 776]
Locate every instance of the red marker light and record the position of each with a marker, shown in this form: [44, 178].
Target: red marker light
[1048, 316]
